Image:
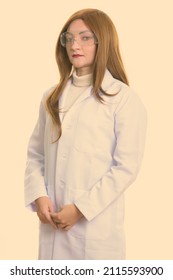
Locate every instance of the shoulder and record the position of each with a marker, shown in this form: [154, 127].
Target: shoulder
[121, 95]
[46, 94]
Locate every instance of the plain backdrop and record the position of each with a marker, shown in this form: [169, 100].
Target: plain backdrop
[28, 35]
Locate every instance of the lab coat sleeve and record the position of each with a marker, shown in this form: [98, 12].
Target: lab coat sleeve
[130, 130]
[34, 172]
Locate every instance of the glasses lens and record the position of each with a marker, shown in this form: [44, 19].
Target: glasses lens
[85, 38]
[63, 40]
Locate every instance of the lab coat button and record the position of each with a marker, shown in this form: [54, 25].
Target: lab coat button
[64, 156]
[62, 184]
[68, 126]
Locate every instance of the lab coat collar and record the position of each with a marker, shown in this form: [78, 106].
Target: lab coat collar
[107, 80]
[109, 84]
[63, 97]
[83, 96]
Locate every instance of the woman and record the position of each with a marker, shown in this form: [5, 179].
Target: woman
[87, 146]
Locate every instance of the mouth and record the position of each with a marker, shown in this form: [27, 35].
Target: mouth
[77, 55]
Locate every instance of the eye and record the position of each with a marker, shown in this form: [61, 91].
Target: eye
[86, 38]
[69, 39]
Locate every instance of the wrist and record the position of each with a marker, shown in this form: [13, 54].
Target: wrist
[41, 198]
[79, 212]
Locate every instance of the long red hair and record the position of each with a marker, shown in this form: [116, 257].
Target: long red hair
[107, 56]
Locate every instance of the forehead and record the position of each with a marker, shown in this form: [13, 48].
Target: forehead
[77, 25]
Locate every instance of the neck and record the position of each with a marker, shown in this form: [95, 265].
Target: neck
[83, 71]
[82, 81]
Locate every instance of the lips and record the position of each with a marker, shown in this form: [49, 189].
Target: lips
[77, 55]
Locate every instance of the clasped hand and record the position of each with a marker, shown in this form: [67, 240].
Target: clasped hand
[64, 219]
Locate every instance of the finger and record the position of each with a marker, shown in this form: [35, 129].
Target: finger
[49, 219]
[66, 228]
[55, 218]
[53, 224]
[51, 208]
[42, 218]
[56, 222]
[43, 221]
[60, 226]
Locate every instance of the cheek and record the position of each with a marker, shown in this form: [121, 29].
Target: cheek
[68, 53]
[92, 53]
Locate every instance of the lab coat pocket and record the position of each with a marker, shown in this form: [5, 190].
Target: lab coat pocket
[46, 241]
[99, 227]
[105, 134]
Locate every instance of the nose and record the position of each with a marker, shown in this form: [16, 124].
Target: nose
[75, 44]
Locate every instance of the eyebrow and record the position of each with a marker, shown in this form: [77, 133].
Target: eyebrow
[80, 32]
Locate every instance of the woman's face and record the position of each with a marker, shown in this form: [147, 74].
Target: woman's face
[81, 51]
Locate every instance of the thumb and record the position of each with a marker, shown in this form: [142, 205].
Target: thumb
[53, 215]
[48, 217]
[51, 207]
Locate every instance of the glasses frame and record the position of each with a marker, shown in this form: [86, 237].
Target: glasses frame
[64, 44]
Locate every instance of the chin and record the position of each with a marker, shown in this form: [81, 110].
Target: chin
[78, 66]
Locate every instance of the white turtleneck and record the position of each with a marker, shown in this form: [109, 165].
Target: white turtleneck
[78, 86]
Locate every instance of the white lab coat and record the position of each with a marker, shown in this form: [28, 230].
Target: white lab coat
[97, 157]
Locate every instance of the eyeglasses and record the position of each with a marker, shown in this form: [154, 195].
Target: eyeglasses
[84, 38]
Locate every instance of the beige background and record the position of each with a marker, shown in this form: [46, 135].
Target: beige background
[29, 30]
